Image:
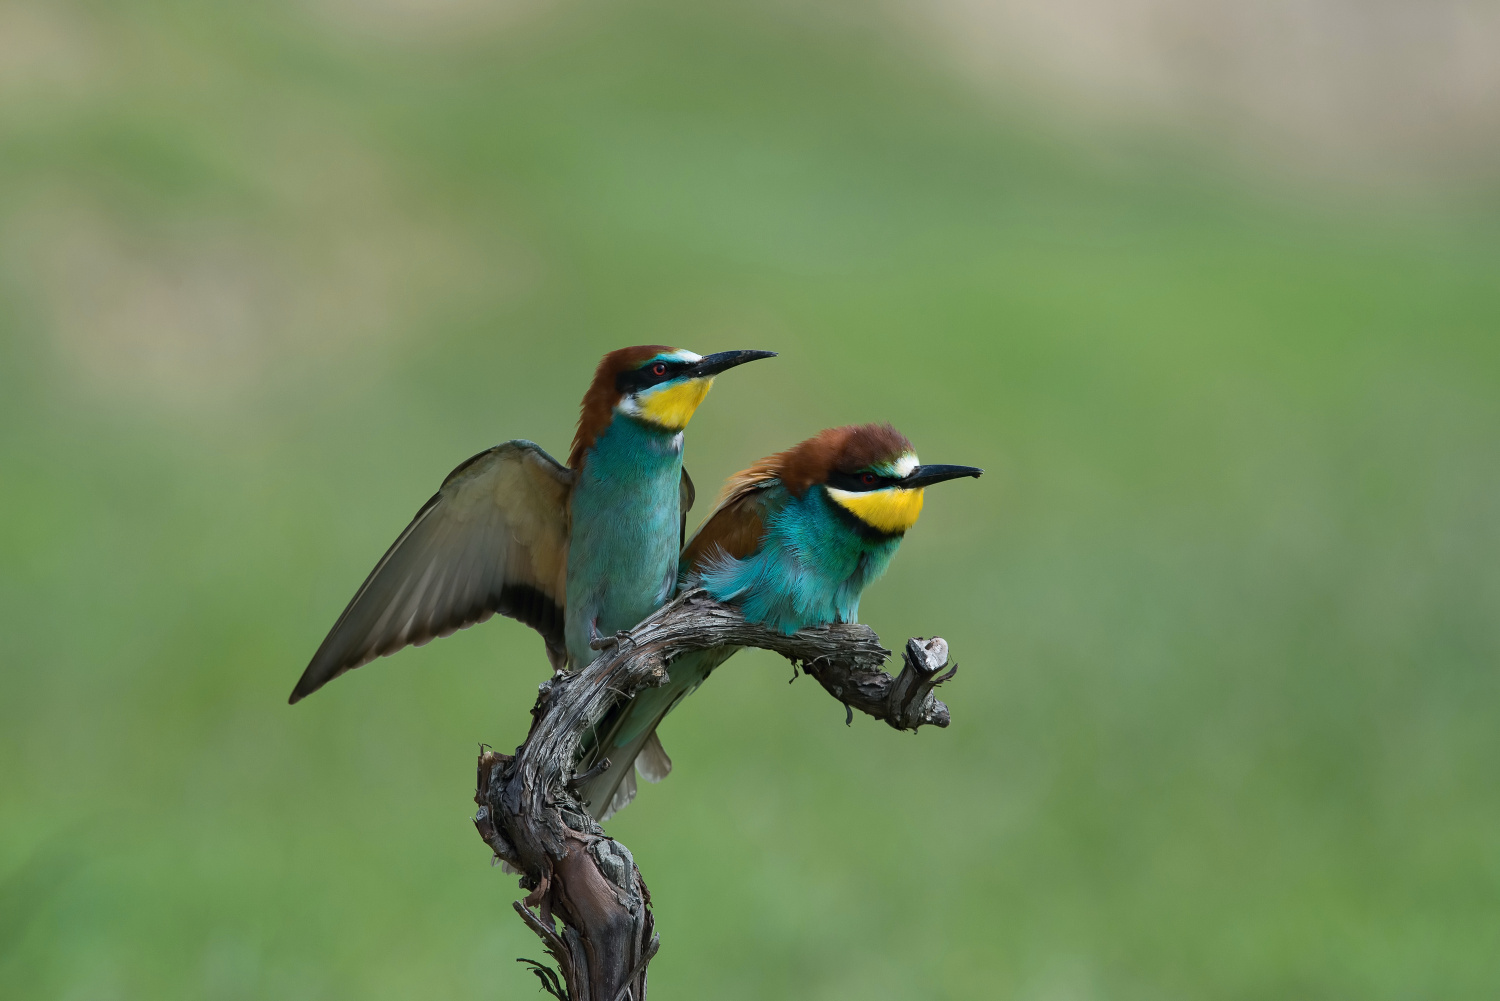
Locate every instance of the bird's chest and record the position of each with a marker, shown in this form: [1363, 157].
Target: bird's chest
[824, 568]
[626, 532]
[835, 575]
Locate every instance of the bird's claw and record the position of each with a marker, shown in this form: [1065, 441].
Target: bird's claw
[600, 767]
[609, 642]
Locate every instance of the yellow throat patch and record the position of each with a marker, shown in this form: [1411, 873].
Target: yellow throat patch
[672, 406]
[892, 510]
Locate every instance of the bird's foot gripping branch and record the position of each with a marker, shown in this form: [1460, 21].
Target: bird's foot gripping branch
[531, 819]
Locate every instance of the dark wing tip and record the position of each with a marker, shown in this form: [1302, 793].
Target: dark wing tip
[315, 677]
[305, 687]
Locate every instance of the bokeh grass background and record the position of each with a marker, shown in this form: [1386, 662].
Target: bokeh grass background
[1226, 603]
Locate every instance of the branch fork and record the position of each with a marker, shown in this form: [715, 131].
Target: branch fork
[530, 819]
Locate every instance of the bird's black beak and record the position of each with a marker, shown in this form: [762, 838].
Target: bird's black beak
[711, 365]
[924, 475]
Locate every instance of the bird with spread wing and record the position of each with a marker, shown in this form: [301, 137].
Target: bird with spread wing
[577, 552]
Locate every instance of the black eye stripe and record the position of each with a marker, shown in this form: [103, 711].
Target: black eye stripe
[635, 380]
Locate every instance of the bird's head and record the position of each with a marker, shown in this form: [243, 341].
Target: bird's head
[652, 383]
[870, 471]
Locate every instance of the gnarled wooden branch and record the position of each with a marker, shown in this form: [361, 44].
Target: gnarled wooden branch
[577, 873]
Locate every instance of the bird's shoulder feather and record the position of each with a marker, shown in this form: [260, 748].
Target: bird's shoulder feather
[738, 521]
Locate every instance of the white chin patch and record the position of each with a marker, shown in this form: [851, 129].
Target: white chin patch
[906, 464]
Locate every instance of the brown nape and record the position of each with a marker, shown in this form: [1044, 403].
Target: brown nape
[846, 449]
[599, 402]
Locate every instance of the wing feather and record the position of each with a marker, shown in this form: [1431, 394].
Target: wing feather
[493, 539]
[735, 526]
[686, 494]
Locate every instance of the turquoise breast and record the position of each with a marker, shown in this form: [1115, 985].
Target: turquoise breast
[626, 532]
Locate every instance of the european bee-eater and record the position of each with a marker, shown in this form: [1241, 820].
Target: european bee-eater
[576, 552]
[794, 541]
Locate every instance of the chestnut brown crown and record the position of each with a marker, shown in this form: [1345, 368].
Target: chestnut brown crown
[846, 449]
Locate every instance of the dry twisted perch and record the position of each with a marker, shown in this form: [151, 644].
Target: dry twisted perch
[575, 872]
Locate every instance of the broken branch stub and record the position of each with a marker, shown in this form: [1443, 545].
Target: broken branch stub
[575, 872]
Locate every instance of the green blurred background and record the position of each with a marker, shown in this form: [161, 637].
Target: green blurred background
[1212, 293]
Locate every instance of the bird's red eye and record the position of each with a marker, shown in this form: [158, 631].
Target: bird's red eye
[868, 479]
[659, 369]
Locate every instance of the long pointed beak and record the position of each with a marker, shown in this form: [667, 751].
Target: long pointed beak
[711, 365]
[925, 475]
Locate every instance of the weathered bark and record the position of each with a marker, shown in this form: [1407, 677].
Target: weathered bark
[576, 873]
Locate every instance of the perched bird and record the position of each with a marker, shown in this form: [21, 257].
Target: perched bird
[793, 542]
[577, 552]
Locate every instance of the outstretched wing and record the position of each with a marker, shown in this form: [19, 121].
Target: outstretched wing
[493, 539]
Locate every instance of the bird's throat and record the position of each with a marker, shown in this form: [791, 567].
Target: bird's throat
[890, 511]
[672, 406]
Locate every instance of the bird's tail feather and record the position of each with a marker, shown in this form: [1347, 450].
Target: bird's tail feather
[630, 737]
[609, 792]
